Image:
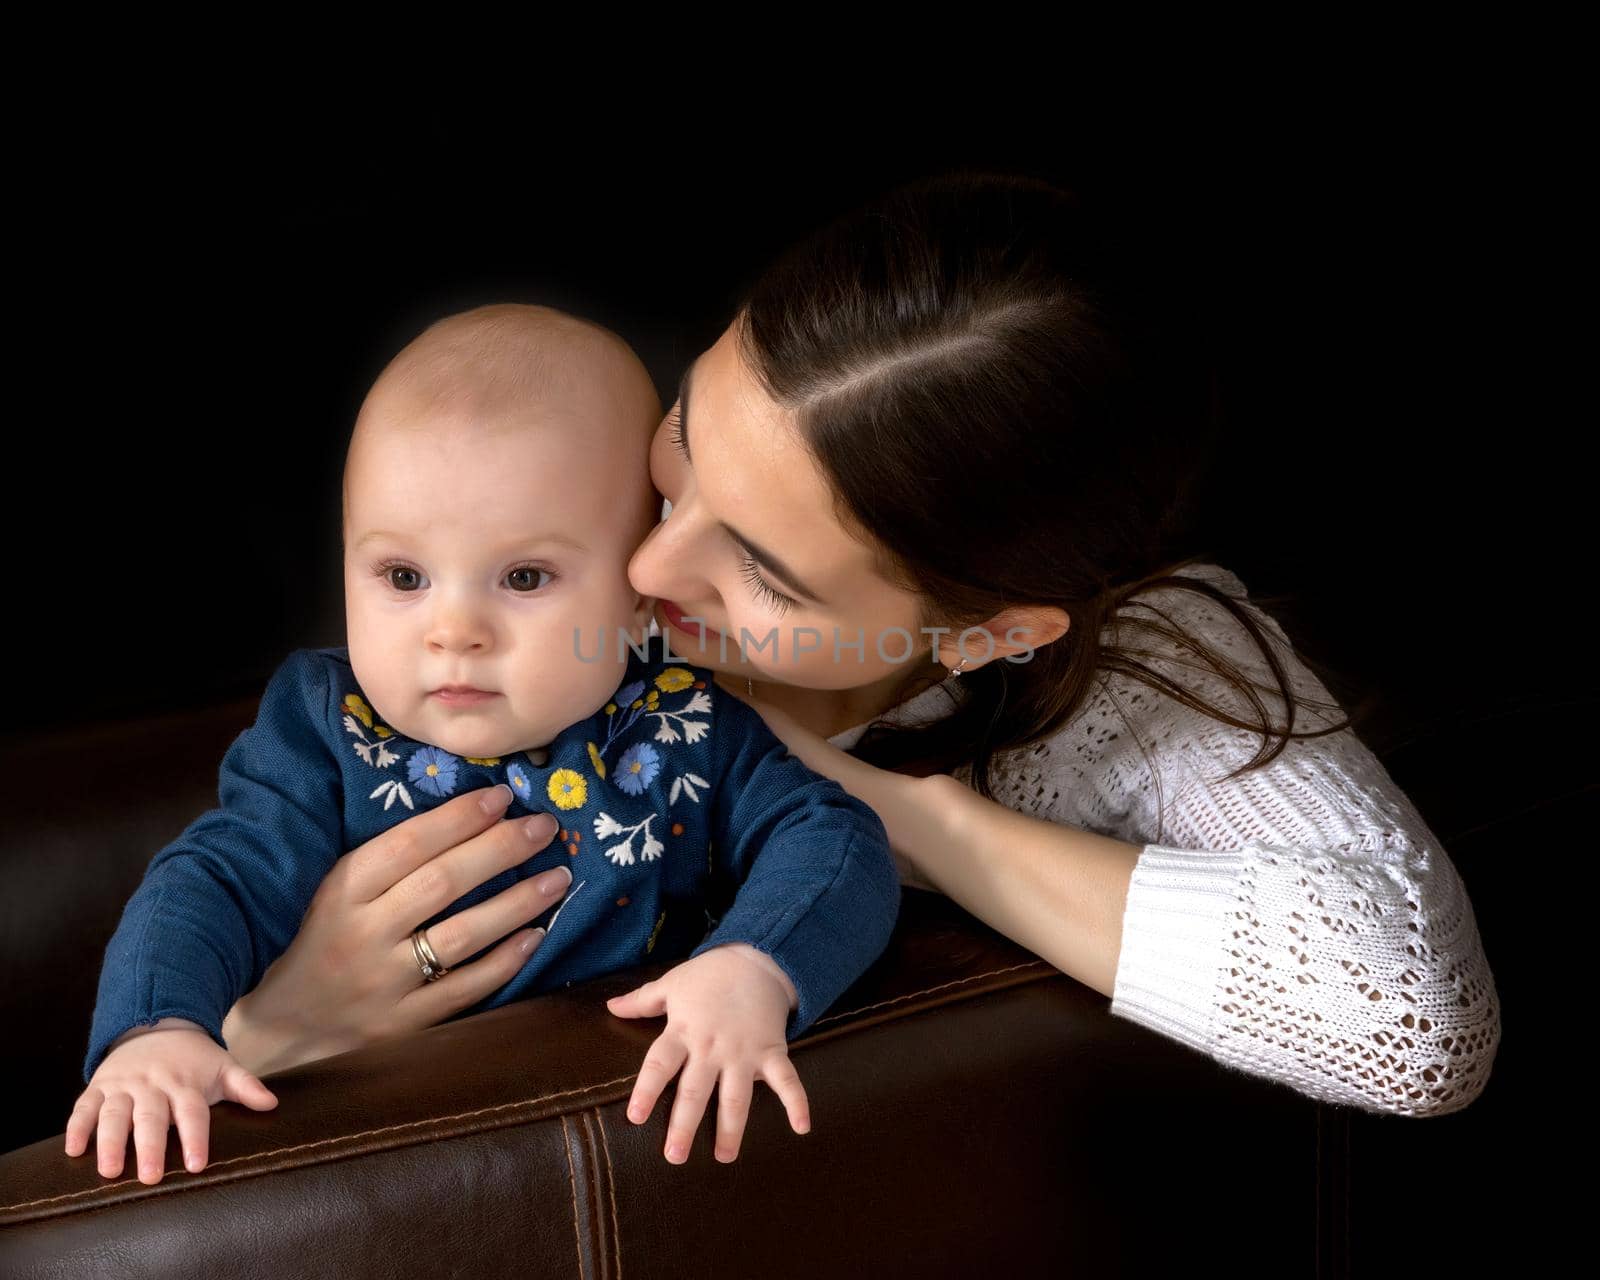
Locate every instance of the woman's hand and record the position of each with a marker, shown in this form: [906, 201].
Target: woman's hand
[349, 977]
[154, 1077]
[727, 1012]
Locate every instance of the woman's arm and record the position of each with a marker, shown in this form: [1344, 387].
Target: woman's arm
[1305, 903]
[1057, 890]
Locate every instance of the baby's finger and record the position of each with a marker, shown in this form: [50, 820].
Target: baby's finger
[661, 1063]
[111, 1138]
[779, 1072]
[694, 1091]
[238, 1085]
[80, 1124]
[733, 1109]
[193, 1118]
[151, 1120]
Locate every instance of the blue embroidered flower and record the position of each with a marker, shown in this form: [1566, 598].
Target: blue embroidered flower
[517, 776]
[433, 770]
[637, 769]
[628, 693]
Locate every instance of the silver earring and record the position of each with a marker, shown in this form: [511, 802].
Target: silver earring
[956, 670]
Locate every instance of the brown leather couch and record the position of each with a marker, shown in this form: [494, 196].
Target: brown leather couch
[975, 1112]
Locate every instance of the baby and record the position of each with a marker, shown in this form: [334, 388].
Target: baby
[496, 486]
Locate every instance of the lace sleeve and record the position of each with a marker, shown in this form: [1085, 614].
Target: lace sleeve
[1304, 924]
[1300, 922]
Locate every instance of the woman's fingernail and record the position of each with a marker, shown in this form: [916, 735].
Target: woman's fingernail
[497, 799]
[556, 879]
[194, 1163]
[675, 1151]
[530, 941]
[540, 828]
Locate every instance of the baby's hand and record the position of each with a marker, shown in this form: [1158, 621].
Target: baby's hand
[171, 1071]
[727, 1011]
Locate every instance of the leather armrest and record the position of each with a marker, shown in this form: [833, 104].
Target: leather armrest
[972, 1109]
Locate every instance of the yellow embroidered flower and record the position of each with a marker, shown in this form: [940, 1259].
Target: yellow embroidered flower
[381, 731]
[611, 708]
[673, 679]
[596, 761]
[567, 789]
[483, 759]
[637, 703]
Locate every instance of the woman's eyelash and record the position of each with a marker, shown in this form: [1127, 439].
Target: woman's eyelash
[758, 584]
[752, 575]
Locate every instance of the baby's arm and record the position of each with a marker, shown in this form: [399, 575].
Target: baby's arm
[818, 899]
[222, 901]
[818, 889]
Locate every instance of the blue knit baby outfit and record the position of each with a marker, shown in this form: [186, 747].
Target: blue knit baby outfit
[672, 799]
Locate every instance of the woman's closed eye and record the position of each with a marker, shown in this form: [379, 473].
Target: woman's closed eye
[759, 586]
[405, 579]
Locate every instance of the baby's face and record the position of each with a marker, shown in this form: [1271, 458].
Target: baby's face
[489, 555]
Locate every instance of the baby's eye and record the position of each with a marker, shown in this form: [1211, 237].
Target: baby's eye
[526, 577]
[401, 577]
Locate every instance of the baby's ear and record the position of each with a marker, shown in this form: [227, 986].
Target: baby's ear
[644, 608]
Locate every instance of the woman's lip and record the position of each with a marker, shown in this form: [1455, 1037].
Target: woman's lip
[675, 616]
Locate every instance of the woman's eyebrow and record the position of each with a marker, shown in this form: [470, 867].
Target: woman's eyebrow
[765, 558]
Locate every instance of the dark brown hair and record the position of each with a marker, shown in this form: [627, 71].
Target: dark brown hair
[1004, 426]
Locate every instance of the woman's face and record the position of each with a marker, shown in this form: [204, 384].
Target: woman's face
[752, 547]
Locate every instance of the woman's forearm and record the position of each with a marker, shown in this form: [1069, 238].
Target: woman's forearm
[1055, 889]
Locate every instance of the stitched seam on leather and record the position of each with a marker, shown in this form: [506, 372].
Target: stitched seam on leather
[616, 1231]
[504, 1106]
[572, 1186]
[348, 1137]
[591, 1155]
[928, 991]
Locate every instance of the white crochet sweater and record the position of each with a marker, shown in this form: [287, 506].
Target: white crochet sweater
[1299, 923]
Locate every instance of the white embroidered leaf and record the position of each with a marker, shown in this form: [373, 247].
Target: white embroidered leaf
[605, 825]
[382, 787]
[385, 756]
[666, 733]
[677, 786]
[390, 799]
[652, 847]
[404, 794]
[351, 726]
[622, 854]
[697, 779]
[694, 730]
[364, 750]
[700, 702]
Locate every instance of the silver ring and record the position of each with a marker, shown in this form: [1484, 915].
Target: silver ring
[432, 970]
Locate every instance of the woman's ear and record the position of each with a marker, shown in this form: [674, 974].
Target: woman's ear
[1011, 632]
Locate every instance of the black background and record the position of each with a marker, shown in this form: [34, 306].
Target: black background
[202, 297]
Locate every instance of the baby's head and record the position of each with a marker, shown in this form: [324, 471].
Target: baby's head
[496, 485]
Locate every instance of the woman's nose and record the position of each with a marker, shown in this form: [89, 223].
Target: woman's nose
[663, 565]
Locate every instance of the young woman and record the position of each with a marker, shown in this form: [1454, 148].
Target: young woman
[932, 455]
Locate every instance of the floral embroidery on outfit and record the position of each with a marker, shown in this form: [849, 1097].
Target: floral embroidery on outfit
[674, 680]
[517, 776]
[638, 768]
[567, 789]
[596, 761]
[433, 770]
